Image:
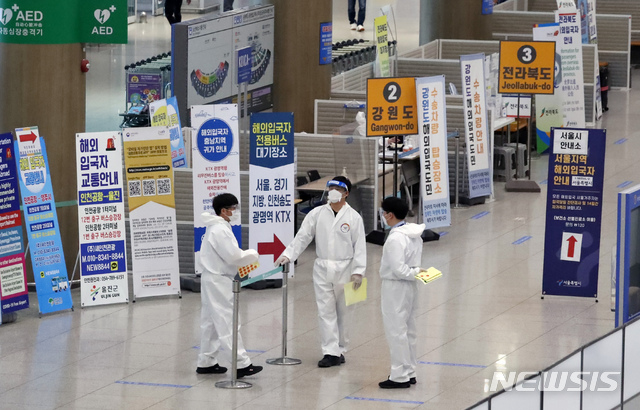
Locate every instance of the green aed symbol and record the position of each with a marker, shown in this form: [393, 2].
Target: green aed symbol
[51, 301]
[114, 265]
[42, 274]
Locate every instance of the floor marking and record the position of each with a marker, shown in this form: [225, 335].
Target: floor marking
[384, 400]
[521, 240]
[479, 366]
[480, 215]
[177, 386]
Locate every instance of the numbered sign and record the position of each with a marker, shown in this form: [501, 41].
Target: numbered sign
[526, 67]
[391, 107]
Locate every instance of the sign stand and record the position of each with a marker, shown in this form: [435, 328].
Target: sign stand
[521, 185]
[284, 360]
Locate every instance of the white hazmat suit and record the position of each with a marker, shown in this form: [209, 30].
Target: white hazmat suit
[341, 252]
[401, 258]
[220, 257]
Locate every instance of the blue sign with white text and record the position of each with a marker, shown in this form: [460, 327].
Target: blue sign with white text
[271, 139]
[325, 43]
[574, 212]
[43, 233]
[244, 65]
[487, 6]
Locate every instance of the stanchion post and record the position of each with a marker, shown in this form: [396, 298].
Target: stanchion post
[457, 173]
[284, 360]
[234, 383]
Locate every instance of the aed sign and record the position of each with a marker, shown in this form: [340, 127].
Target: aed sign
[526, 67]
[391, 106]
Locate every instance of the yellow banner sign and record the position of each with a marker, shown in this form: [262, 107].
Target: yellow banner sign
[526, 67]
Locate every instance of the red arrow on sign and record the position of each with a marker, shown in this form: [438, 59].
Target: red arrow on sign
[274, 248]
[28, 137]
[572, 246]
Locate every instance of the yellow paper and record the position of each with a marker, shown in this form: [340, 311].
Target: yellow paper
[429, 275]
[354, 296]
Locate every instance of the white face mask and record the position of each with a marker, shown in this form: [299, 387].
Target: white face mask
[385, 224]
[334, 196]
[235, 216]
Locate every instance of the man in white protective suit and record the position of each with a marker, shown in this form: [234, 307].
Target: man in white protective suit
[401, 259]
[341, 258]
[220, 257]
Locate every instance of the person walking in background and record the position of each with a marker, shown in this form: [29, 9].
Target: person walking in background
[357, 24]
[172, 10]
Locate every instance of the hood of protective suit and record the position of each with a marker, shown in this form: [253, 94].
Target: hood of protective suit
[410, 229]
[211, 219]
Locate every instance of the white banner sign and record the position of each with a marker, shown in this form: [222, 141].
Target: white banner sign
[434, 164]
[152, 211]
[271, 187]
[216, 163]
[569, 48]
[101, 229]
[476, 124]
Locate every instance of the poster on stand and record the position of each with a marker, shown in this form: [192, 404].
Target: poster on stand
[165, 113]
[434, 160]
[569, 75]
[271, 187]
[583, 13]
[13, 276]
[152, 212]
[216, 163]
[476, 125]
[382, 46]
[101, 225]
[41, 218]
[548, 106]
[593, 30]
[574, 212]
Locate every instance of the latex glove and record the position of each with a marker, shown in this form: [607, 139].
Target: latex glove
[415, 271]
[281, 261]
[357, 281]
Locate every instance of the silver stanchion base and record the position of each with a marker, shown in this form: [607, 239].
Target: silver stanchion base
[230, 384]
[522, 185]
[285, 361]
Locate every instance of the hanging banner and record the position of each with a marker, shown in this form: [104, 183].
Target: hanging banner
[216, 163]
[574, 212]
[548, 106]
[570, 71]
[43, 231]
[13, 277]
[271, 187]
[434, 160]
[583, 13]
[476, 125]
[165, 113]
[382, 46]
[152, 212]
[593, 31]
[75, 21]
[326, 30]
[101, 226]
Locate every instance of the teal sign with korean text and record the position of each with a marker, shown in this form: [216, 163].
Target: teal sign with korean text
[71, 21]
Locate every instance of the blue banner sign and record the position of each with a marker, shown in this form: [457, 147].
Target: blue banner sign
[13, 279]
[574, 211]
[244, 65]
[43, 233]
[326, 30]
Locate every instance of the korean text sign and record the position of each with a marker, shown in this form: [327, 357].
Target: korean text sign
[526, 67]
[101, 225]
[574, 210]
[271, 185]
[165, 113]
[13, 279]
[382, 45]
[476, 125]
[216, 163]
[570, 70]
[434, 161]
[391, 106]
[43, 231]
[152, 211]
[71, 21]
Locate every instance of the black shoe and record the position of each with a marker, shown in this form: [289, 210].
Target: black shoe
[412, 380]
[328, 361]
[216, 369]
[342, 359]
[390, 384]
[249, 371]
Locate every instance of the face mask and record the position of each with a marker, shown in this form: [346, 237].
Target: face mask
[334, 196]
[385, 224]
[235, 216]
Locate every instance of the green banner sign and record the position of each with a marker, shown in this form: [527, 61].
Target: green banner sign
[77, 21]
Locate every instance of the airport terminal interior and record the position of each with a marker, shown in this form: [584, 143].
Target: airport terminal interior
[484, 315]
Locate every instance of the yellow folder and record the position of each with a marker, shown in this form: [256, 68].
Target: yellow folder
[428, 275]
[354, 296]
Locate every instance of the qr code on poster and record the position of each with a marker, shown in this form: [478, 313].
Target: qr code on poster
[134, 188]
[164, 186]
[149, 187]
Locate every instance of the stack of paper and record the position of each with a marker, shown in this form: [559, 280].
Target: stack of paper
[429, 275]
[354, 296]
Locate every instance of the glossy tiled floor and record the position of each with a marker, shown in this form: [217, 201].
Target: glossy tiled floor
[485, 315]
